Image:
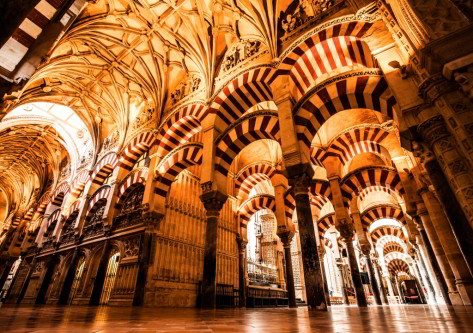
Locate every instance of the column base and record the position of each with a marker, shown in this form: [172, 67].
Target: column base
[455, 298]
[465, 289]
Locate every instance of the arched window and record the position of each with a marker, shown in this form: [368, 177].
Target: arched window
[77, 279]
[68, 228]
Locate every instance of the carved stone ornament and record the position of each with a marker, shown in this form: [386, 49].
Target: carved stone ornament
[239, 52]
[131, 247]
[143, 117]
[286, 238]
[433, 129]
[206, 187]
[186, 87]
[346, 229]
[111, 140]
[300, 12]
[301, 184]
[213, 206]
[465, 80]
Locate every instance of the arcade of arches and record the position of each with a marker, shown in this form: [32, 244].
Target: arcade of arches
[232, 153]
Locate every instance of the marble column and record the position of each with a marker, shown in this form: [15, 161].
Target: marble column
[384, 297]
[321, 250]
[389, 283]
[374, 284]
[100, 275]
[69, 279]
[344, 292]
[452, 178]
[242, 264]
[346, 231]
[209, 281]
[314, 282]
[418, 278]
[286, 239]
[440, 265]
[447, 239]
[422, 268]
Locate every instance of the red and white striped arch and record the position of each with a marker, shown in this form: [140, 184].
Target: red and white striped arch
[180, 126]
[388, 239]
[255, 127]
[325, 52]
[392, 247]
[75, 206]
[387, 231]
[362, 90]
[79, 182]
[101, 193]
[54, 216]
[140, 176]
[255, 204]
[138, 145]
[104, 167]
[349, 144]
[59, 193]
[251, 175]
[398, 267]
[241, 94]
[44, 201]
[325, 223]
[354, 182]
[372, 189]
[397, 255]
[24, 37]
[177, 160]
[376, 213]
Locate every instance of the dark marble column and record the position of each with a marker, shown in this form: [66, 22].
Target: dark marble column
[314, 281]
[209, 281]
[433, 258]
[69, 279]
[346, 231]
[146, 245]
[100, 276]
[286, 239]
[6, 265]
[26, 281]
[344, 292]
[242, 270]
[374, 283]
[384, 296]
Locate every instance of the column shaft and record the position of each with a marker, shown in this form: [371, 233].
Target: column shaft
[289, 276]
[100, 276]
[373, 281]
[314, 281]
[384, 297]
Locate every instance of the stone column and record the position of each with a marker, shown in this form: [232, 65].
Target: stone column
[438, 261]
[344, 292]
[213, 205]
[242, 264]
[418, 259]
[418, 278]
[313, 278]
[366, 252]
[346, 231]
[452, 178]
[100, 275]
[389, 283]
[384, 297]
[321, 250]
[449, 245]
[286, 239]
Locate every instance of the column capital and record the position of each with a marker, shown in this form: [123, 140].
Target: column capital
[366, 250]
[286, 238]
[299, 176]
[242, 243]
[433, 129]
[213, 202]
[345, 227]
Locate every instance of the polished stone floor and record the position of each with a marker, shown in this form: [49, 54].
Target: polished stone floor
[72, 319]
